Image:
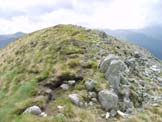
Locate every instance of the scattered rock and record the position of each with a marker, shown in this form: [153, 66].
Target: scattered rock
[71, 82]
[108, 99]
[94, 100]
[90, 85]
[92, 95]
[60, 115]
[65, 86]
[43, 114]
[74, 98]
[90, 103]
[60, 107]
[107, 115]
[113, 113]
[122, 114]
[137, 54]
[33, 110]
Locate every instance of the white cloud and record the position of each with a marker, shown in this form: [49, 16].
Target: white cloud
[30, 15]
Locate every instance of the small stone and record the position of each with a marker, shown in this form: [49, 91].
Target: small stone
[75, 99]
[71, 82]
[48, 91]
[65, 86]
[86, 104]
[94, 100]
[90, 103]
[90, 85]
[122, 114]
[60, 115]
[60, 107]
[113, 113]
[92, 94]
[43, 114]
[81, 104]
[107, 115]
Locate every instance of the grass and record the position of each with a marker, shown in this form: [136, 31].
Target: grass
[60, 52]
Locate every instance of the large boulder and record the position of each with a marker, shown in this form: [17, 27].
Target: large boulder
[114, 73]
[104, 64]
[108, 99]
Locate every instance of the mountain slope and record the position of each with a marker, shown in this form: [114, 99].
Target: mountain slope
[6, 39]
[37, 68]
[148, 38]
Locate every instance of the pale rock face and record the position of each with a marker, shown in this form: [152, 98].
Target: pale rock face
[104, 64]
[108, 99]
[115, 73]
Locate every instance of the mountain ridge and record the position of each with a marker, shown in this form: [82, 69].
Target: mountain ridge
[68, 73]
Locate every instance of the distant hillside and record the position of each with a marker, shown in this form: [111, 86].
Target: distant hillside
[149, 38]
[6, 39]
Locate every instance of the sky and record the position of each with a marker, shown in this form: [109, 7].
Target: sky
[31, 15]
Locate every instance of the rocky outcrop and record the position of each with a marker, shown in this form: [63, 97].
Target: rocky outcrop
[108, 99]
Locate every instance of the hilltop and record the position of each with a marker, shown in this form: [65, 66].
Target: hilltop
[69, 73]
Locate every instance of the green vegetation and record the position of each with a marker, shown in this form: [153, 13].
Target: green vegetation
[47, 58]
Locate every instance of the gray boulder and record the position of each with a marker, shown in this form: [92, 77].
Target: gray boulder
[108, 99]
[33, 110]
[90, 85]
[104, 64]
[75, 99]
[115, 72]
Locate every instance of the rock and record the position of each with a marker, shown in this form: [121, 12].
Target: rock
[115, 73]
[71, 82]
[92, 95]
[137, 54]
[33, 110]
[60, 107]
[74, 98]
[60, 115]
[65, 86]
[122, 114]
[43, 114]
[90, 85]
[104, 64]
[94, 100]
[113, 113]
[107, 115]
[159, 79]
[90, 103]
[48, 91]
[155, 68]
[108, 99]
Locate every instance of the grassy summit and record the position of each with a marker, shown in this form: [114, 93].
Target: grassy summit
[43, 59]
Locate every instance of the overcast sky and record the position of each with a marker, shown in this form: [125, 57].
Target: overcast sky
[30, 15]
